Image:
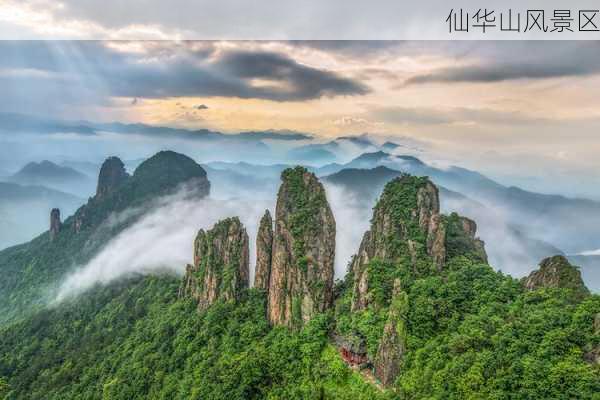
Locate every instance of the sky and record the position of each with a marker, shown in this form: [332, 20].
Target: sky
[525, 112]
[526, 109]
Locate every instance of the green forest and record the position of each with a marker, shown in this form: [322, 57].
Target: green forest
[458, 330]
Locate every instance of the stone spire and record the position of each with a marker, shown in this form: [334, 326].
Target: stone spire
[264, 249]
[301, 280]
[220, 270]
[55, 223]
[112, 175]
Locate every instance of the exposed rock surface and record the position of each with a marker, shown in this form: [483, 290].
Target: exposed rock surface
[264, 247]
[407, 228]
[220, 270]
[55, 223]
[301, 282]
[393, 342]
[112, 175]
[556, 272]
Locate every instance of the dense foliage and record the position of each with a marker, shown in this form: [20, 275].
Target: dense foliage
[467, 331]
[32, 271]
[134, 340]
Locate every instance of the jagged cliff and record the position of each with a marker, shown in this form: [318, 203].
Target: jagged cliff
[220, 270]
[301, 279]
[556, 272]
[55, 223]
[407, 229]
[112, 175]
[264, 249]
[393, 342]
[408, 239]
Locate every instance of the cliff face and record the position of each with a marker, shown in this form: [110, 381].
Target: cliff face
[408, 229]
[112, 175]
[264, 247]
[393, 342]
[556, 272]
[220, 270]
[301, 281]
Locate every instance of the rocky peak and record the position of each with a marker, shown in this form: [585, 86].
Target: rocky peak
[220, 270]
[55, 223]
[408, 230]
[160, 175]
[301, 281]
[556, 272]
[112, 175]
[264, 247]
[461, 238]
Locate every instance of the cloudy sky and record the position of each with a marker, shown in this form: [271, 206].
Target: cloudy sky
[524, 106]
[515, 109]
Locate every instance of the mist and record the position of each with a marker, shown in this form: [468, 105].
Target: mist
[162, 240]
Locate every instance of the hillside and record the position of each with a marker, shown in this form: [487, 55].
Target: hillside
[32, 271]
[420, 314]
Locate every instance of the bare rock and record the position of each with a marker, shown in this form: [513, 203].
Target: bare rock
[264, 250]
[220, 270]
[112, 175]
[556, 272]
[393, 342]
[301, 282]
[55, 223]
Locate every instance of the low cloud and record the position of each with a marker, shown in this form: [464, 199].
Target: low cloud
[161, 241]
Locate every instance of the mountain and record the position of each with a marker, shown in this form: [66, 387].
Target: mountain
[303, 251]
[33, 271]
[511, 248]
[46, 172]
[51, 175]
[390, 146]
[419, 301]
[24, 210]
[566, 223]
[313, 153]
[20, 123]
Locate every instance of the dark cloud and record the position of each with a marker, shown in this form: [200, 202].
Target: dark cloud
[496, 62]
[164, 69]
[299, 82]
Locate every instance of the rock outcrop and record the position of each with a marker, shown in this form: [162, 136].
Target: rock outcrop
[55, 223]
[162, 174]
[461, 239]
[407, 229]
[393, 342]
[264, 247]
[556, 272]
[220, 270]
[301, 279]
[112, 176]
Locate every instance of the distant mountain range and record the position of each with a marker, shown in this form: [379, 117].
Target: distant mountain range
[13, 123]
[54, 176]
